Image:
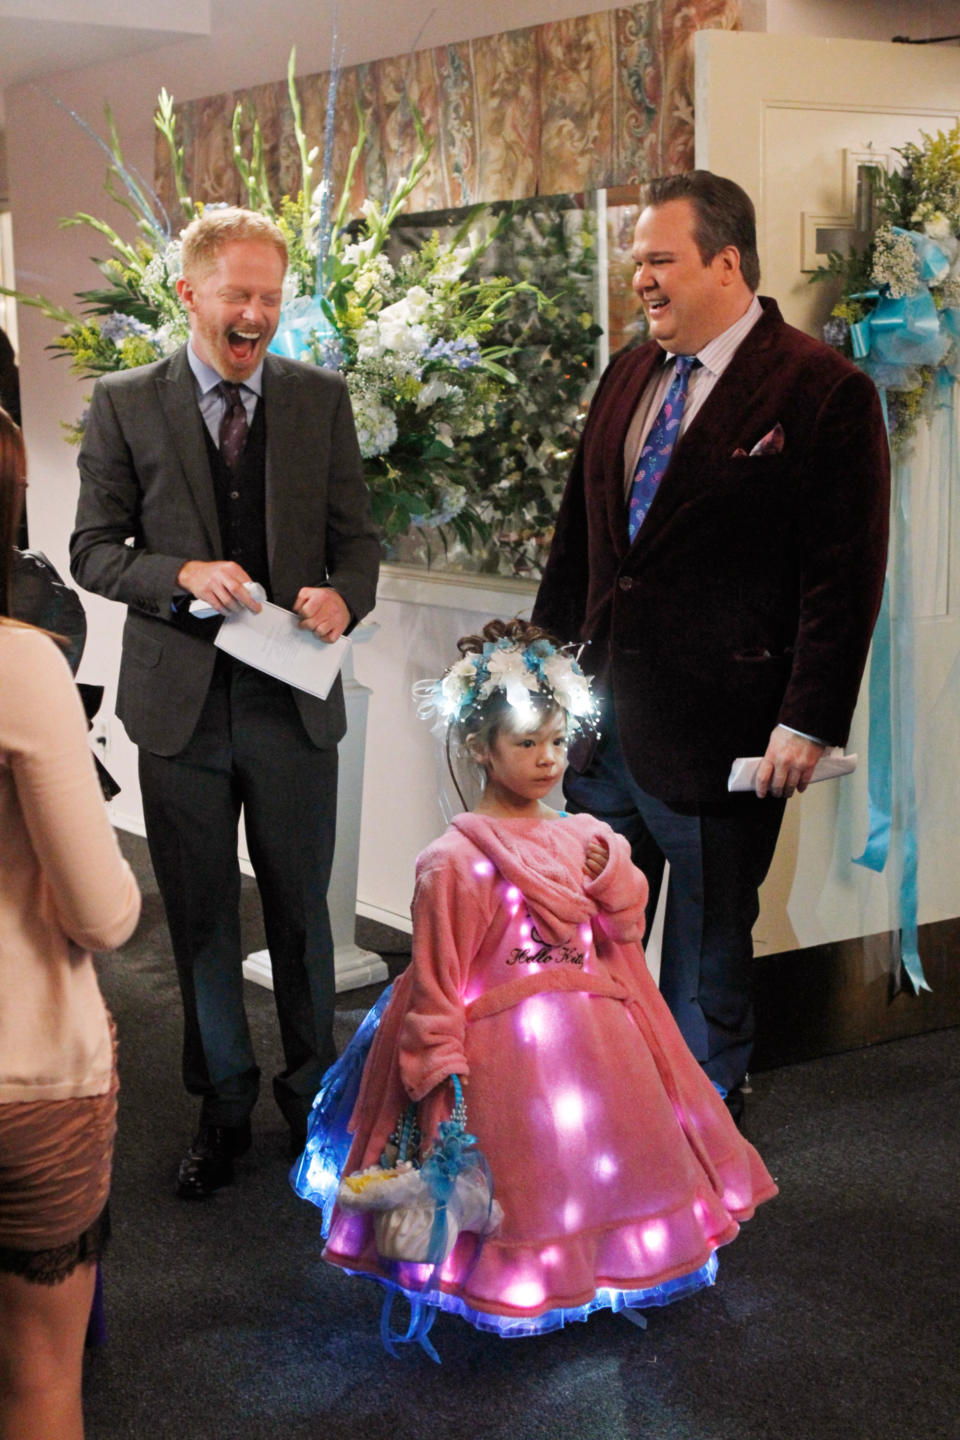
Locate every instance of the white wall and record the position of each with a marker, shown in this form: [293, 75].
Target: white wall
[54, 170]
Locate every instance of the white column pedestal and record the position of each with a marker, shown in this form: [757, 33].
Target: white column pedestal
[354, 966]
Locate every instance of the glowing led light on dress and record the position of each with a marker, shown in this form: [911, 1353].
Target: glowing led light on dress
[525, 929]
[513, 895]
[586, 935]
[550, 1256]
[733, 1200]
[655, 1237]
[532, 1017]
[483, 867]
[568, 1109]
[572, 1214]
[632, 1243]
[605, 1167]
[524, 1294]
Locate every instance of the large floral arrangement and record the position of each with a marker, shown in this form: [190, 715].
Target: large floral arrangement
[899, 314]
[524, 460]
[428, 339]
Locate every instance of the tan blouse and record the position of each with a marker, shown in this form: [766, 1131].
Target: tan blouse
[65, 889]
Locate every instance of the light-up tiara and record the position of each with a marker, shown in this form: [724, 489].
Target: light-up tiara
[521, 672]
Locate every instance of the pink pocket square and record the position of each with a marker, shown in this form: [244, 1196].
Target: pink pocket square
[771, 444]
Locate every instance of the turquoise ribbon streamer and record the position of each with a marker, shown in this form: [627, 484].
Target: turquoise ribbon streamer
[891, 780]
[904, 715]
[880, 764]
[890, 344]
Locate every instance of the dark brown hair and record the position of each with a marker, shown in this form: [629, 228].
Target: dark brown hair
[723, 215]
[13, 469]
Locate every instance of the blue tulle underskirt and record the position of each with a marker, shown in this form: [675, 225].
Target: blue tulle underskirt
[516, 1327]
[316, 1175]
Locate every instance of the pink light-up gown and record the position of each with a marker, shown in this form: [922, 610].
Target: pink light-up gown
[615, 1161]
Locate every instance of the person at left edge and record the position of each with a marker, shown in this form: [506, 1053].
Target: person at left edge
[175, 505]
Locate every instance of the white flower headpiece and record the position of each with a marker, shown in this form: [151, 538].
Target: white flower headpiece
[520, 672]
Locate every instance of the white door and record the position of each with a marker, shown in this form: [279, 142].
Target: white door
[791, 118]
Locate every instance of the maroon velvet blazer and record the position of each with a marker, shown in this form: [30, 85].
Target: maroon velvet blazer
[750, 593]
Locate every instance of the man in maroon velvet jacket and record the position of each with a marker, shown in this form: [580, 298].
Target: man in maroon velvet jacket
[738, 620]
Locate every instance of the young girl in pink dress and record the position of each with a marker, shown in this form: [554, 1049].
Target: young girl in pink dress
[616, 1166]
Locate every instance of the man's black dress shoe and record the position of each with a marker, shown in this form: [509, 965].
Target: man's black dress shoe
[208, 1164]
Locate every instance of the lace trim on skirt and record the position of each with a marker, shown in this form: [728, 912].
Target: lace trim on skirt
[49, 1267]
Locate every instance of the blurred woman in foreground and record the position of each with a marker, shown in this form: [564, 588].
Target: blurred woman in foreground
[64, 890]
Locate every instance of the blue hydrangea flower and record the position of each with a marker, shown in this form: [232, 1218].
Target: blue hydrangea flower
[117, 327]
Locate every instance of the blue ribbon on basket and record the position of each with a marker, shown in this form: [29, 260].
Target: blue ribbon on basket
[452, 1152]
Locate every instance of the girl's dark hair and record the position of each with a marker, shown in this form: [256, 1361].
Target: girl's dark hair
[484, 721]
[13, 467]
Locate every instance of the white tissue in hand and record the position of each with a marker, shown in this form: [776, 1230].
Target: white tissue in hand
[200, 610]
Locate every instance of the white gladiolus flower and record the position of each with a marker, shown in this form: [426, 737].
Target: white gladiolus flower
[451, 264]
[358, 252]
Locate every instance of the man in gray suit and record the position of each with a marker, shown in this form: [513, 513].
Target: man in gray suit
[217, 466]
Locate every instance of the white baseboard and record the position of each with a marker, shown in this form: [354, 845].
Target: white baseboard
[385, 917]
[354, 968]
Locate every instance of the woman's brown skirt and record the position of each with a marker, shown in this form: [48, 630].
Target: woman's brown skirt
[55, 1160]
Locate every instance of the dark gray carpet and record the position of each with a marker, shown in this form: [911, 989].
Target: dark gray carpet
[835, 1316]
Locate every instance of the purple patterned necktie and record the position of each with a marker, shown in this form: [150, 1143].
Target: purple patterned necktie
[658, 446]
[233, 425]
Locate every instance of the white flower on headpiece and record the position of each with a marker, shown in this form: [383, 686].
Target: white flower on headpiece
[570, 688]
[508, 671]
[457, 684]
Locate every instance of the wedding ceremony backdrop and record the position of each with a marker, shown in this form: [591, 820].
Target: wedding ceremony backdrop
[521, 151]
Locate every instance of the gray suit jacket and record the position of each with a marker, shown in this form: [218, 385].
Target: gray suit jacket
[147, 505]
